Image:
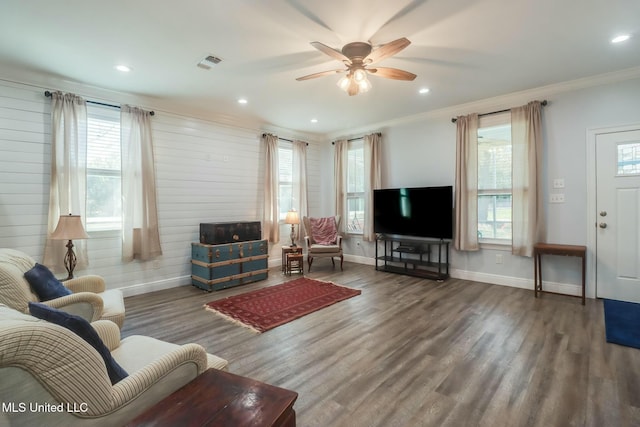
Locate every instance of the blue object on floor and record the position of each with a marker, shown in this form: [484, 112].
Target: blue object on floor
[622, 322]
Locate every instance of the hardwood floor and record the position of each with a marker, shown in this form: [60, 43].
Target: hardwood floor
[413, 352]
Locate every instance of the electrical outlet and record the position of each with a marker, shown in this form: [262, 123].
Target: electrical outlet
[498, 258]
[556, 198]
[558, 183]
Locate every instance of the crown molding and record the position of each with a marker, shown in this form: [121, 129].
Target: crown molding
[501, 102]
[44, 81]
[52, 82]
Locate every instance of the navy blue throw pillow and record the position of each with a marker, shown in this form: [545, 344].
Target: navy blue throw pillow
[45, 284]
[84, 330]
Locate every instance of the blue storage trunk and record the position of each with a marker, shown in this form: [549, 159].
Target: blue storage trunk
[215, 267]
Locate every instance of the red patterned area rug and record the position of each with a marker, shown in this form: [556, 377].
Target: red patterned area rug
[267, 308]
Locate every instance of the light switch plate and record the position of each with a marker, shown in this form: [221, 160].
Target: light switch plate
[556, 198]
[558, 183]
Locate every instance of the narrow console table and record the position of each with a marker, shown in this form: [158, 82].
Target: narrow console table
[219, 398]
[540, 249]
[414, 257]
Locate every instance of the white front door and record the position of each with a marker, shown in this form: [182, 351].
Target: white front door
[618, 215]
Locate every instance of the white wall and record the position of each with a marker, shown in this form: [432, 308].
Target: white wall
[196, 184]
[206, 172]
[421, 152]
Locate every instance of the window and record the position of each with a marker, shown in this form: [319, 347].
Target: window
[104, 202]
[494, 179]
[629, 158]
[285, 180]
[355, 186]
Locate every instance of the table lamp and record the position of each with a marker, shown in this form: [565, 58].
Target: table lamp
[292, 218]
[69, 228]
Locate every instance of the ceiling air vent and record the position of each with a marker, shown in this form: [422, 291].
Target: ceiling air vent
[209, 62]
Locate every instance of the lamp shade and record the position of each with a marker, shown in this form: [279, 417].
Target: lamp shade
[69, 228]
[292, 217]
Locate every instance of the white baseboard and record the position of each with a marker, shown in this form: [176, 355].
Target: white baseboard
[515, 282]
[494, 279]
[274, 262]
[359, 259]
[159, 285]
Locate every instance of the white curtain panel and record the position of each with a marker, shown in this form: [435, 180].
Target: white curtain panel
[270, 215]
[140, 234]
[68, 186]
[466, 197]
[340, 181]
[300, 202]
[527, 211]
[372, 181]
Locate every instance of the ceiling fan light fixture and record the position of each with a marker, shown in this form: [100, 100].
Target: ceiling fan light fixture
[357, 56]
[359, 75]
[364, 85]
[355, 82]
[343, 83]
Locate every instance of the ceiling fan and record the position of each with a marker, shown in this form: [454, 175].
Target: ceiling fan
[358, 57]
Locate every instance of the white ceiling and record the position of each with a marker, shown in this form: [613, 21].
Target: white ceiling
[463, 50]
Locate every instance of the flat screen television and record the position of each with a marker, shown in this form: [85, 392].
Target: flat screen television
[418, 212]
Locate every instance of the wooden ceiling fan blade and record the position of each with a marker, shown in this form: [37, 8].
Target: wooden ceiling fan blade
[320, 74]
[391, 73]
[387, 50]
[331, 52]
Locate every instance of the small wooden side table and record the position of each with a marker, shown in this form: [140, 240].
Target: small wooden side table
[540, 249]
[219, 398]
[288, 250]
[295, 263]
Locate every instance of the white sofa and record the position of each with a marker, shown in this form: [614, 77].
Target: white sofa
[44, 366]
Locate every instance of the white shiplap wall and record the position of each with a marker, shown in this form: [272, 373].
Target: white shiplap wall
[206, 172]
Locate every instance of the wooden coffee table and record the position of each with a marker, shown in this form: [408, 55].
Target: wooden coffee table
[219, 398]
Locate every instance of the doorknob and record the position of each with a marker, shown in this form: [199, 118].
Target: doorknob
[603, 213]
[602, 225]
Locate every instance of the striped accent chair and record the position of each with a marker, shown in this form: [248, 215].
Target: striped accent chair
[89, 300]
[43, 365]
[323, 249]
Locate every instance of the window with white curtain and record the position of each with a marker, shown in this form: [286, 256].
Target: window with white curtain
[285, 180]
[494, 179]
[104, 205]
[355, 186]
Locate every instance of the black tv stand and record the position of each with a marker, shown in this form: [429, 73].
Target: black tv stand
[411, 256]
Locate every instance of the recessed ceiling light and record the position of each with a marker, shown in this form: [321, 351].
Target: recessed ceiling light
[423, 90]
[242, 101]
[620, 38]
[123, 68]
[314, 120]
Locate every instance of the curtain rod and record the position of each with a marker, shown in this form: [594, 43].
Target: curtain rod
[355, 139]
[281, 139]
[48, 95]
[453, 120]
